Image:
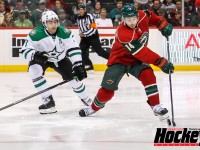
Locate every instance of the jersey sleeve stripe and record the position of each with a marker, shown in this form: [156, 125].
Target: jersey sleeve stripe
[77, 53]
[26, 53]
[72, 49]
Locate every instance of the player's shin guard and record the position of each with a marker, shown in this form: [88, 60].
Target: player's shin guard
[80, 91]
[103, 96]
[40, 84]
[148, 80]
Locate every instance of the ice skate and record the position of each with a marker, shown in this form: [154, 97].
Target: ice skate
[161, 112]
[87, 102]
[48, 107]
[86, 112]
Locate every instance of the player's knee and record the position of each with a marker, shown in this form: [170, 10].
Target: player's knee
[75, 84]
[35, 71]
[147, 76]
[105, 95]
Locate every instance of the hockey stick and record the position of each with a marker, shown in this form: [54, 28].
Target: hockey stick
[33, 95]
[170, 83]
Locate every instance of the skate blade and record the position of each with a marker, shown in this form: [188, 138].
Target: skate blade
[48, 111]
[164, 117]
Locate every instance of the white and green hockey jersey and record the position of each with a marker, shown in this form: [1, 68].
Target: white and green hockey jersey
[57, 47]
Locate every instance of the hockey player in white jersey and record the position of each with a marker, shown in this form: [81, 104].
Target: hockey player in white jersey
[51, 45]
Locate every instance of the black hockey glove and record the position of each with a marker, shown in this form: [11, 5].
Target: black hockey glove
[79, 71]
[40, 57]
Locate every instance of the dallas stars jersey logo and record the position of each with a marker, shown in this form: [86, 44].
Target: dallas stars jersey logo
[54, 53]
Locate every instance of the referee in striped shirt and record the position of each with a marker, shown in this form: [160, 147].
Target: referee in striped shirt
[89, 37]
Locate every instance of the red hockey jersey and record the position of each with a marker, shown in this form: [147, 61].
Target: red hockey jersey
[124, 34]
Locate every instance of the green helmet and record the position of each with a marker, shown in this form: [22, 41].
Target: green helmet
[129, 11]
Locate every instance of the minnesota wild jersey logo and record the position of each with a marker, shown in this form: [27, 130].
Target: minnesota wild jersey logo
[54, 53]
[144, 38]
[109, 81]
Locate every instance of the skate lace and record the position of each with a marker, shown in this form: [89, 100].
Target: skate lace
[157, 108]
[46, 100]
[89, 111]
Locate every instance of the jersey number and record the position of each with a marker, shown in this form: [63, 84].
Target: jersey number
[129, 46]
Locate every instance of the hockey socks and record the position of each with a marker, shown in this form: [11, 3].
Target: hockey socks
[102, 97]
[80, 90]
[40, 84]
[148, 80]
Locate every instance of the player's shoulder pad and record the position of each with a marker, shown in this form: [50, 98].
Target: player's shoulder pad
[63, 32]
[147, 12]
[37, 33]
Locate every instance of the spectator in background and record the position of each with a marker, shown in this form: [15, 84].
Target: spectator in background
[89, 6]
[32, 5]
[2, 11]
[59, 4]
[116, 14]
[96, 11]
[163, 12]
[7, 5]
[196, 19]
[191, 11]
[8, 21]
[149, 5]
[138, 6]
[63, 18]
[176, 19]
[36, 15]
[23, 21]
[50, 4]
[188, 3]
[169, 6]
[103, 21]
[19, 7]
[179, 6]
[156, 6]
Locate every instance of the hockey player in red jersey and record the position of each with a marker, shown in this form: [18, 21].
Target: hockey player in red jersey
[131, 55]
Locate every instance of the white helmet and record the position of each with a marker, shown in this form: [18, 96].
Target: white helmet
[48, 16]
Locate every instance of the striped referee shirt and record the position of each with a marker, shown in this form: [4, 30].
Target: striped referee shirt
[87, 24]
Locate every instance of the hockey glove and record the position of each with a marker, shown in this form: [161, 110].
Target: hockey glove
[164, 27]
[167, 31]
[40, 57]
[80, 71]
[165, 65]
